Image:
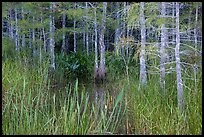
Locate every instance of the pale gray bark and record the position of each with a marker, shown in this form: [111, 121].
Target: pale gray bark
[23, 36]
[196, 42]
[195, 30]
[127, 14]
[87, 43]
[44, 36]
[11, 33]
[195, 35]
[87, 34]
[143, 75]
[63, 35]
[16, 28]
[117, 31]
[74, 31]
[96, 46]
[173, 14]
[128, 34]
[178, 67]
[30, 38]
[162, 48]
[33, 36]
[124, 28]
[52, 42]
[84, 40]
[201, 51]
[101, 42]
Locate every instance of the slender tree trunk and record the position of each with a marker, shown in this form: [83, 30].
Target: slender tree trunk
[162, 48]
[195, 30]
[63, 35]
[30, 39]
[87, 34]
[74, 31]
[143, 75]
[11, 33]
[96, 47]
[196, 42]
[44, 36]
[178, 67]
[92, 42]
[33, 33]
[173, 15]
[189, 28]
[102, 46]
[124, 28]
[23, 36]
[201, 50]
[52, 42]
[117, 31]
[16, 34]
[128, 34]
[87, 43]
[84, 39]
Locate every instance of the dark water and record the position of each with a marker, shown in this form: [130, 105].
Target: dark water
[102, 96]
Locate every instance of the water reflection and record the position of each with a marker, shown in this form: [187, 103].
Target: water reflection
[99, 96]
[96, 101]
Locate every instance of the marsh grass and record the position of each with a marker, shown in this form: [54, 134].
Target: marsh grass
[154, 111]
[31, 106]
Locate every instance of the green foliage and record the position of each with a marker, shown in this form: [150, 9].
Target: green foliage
[132, 18]
[114, 64]
[75, 65]
[8, 48]
[74, 13]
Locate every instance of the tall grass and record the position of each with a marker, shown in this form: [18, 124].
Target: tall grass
[32, 106]
[155, 112]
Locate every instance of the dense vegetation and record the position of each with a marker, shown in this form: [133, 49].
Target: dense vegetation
[66, 99]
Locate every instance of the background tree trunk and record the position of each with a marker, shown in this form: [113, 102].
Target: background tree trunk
[178, 67]
[96, 47]
[16, 28]
[33, 36]
[11, 33]
[74, 31]
[102, 46]
[173, 15]
[63, 35]
[52, 42]
[162, 48]
[143, 75]
[117, 30]
[87, 34]
[23, 35]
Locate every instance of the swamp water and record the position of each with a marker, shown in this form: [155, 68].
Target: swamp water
[102, 105]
